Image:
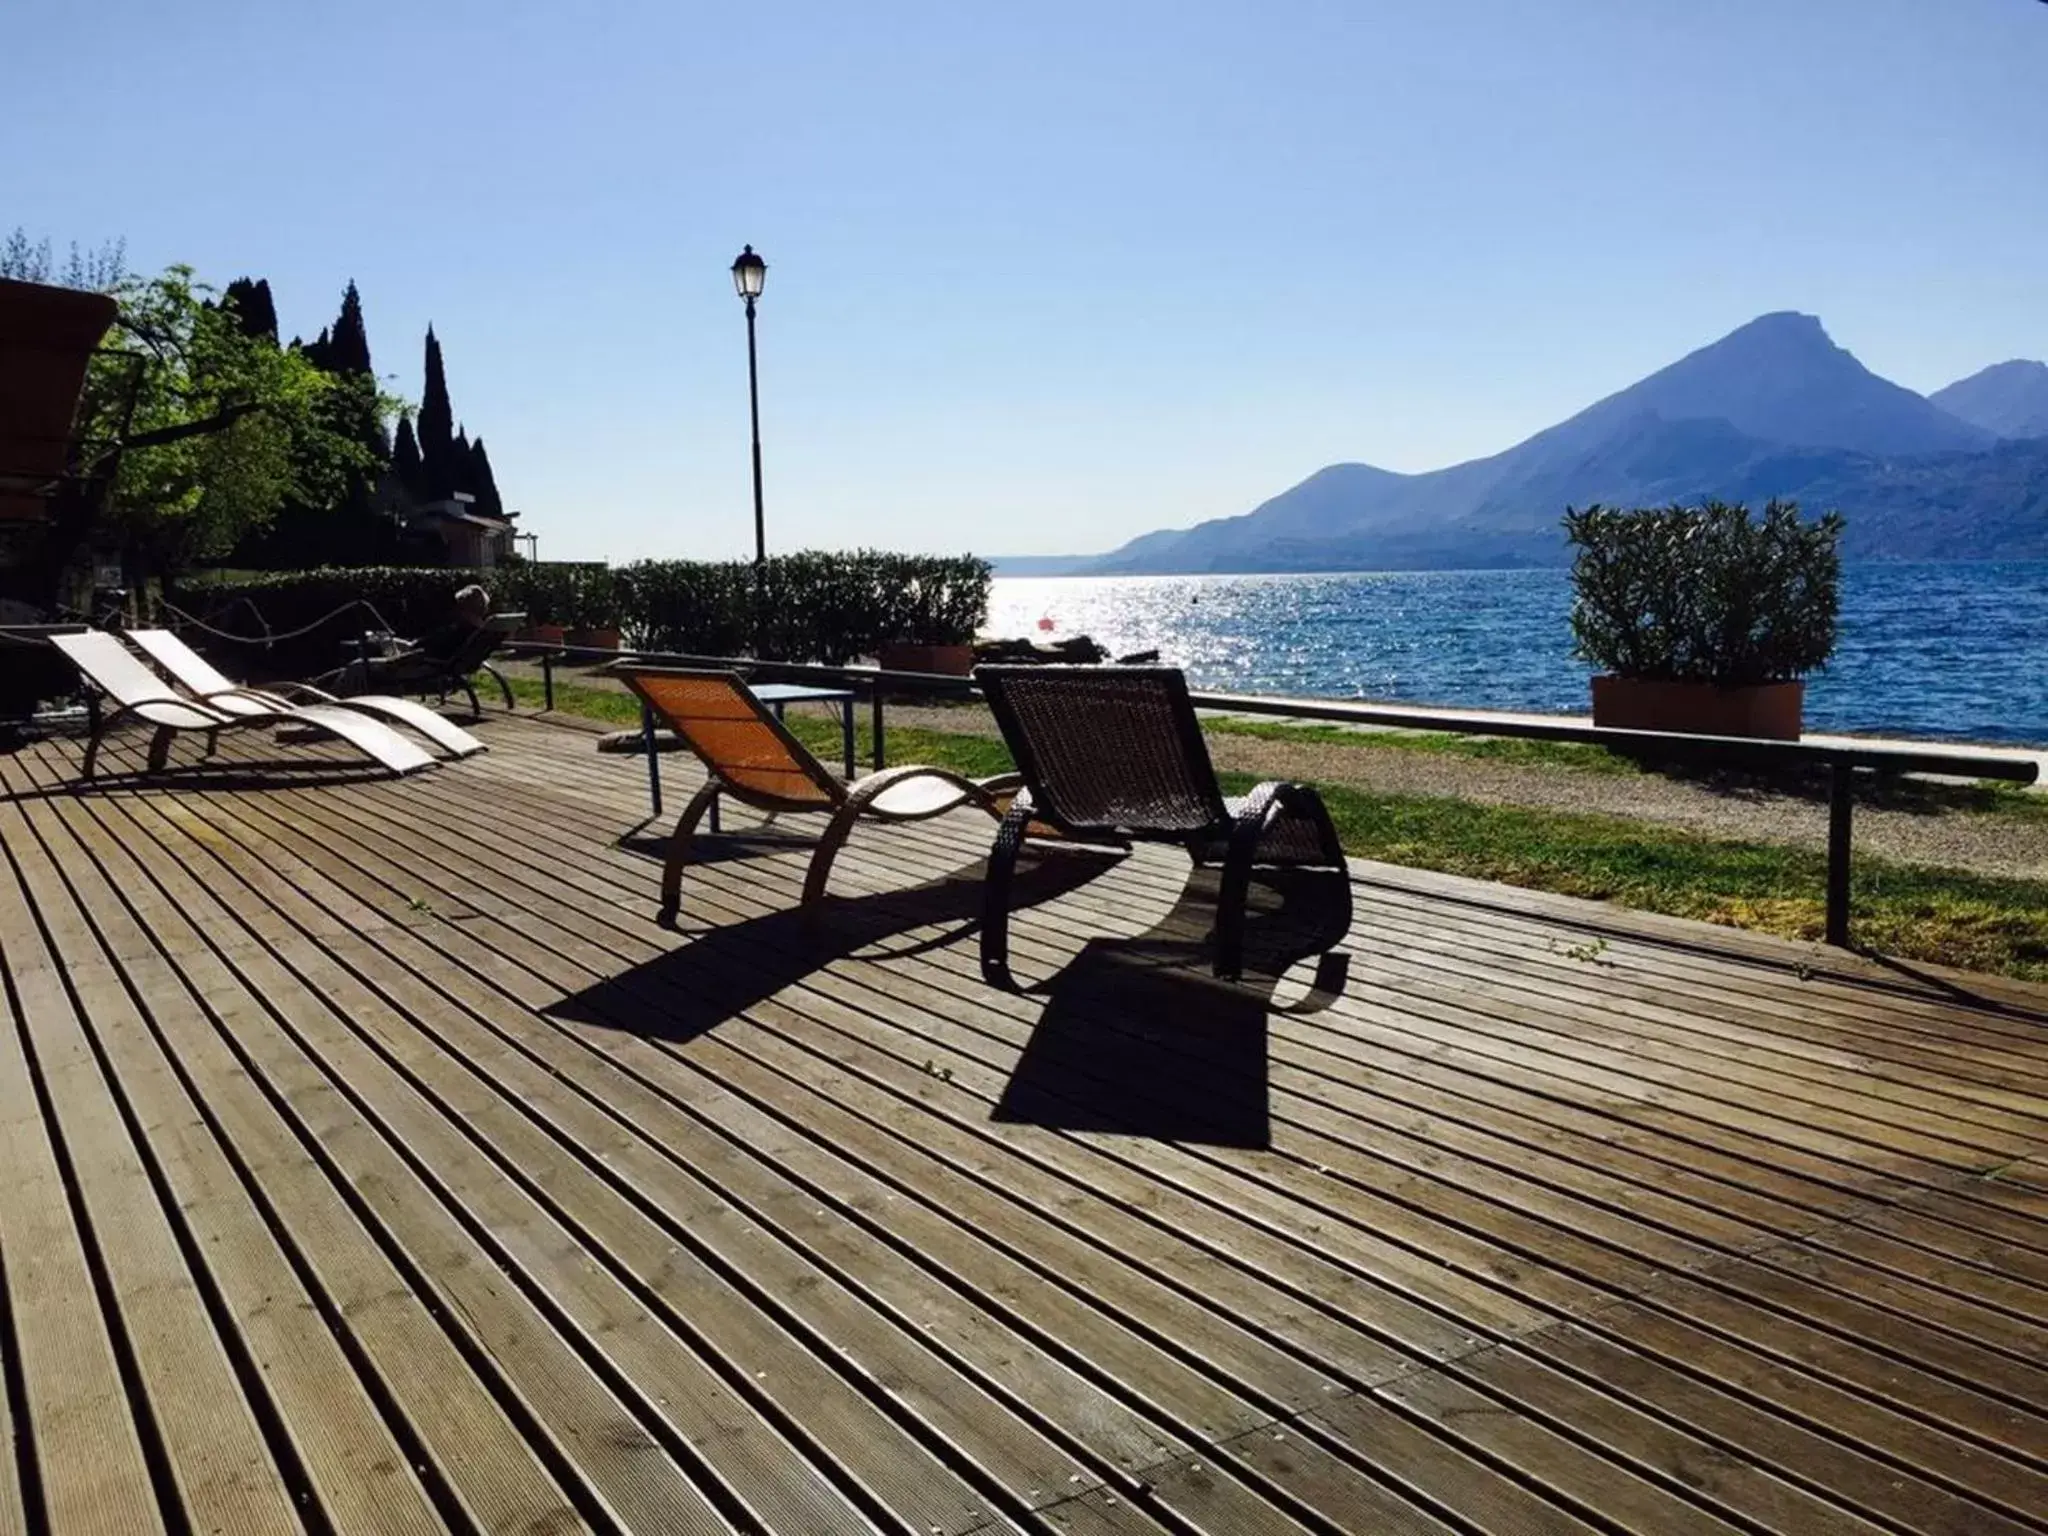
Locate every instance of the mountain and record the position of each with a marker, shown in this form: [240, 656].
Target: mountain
[1782, 378]
[2010, 399]
[1774, 408]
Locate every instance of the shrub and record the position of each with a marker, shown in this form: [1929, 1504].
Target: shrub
[594, 598]
[296, 621]
[1704, 594]
[814, 606]
[544, 593]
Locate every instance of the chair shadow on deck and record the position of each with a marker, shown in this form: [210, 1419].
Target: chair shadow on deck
[724, 968]
[223, 775]
[650, 841]
[1139, 1039]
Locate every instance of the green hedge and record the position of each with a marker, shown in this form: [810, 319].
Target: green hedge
[294, 623]
[410, 599]
[581, 595]
[815, 606]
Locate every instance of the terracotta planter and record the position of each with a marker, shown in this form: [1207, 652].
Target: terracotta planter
[546, 634]
[1767, 710]
[597, 639]
[946, 660]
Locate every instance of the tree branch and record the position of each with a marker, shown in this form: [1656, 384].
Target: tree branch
[219, 422]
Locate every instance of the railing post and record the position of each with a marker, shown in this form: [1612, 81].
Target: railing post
[879, 763]
[1841, 811]
[547, 678]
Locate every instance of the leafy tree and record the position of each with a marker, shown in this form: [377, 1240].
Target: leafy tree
[29, 261]
[356, 525]
[220, 427]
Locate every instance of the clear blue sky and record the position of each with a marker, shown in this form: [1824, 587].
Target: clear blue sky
[1046, 276]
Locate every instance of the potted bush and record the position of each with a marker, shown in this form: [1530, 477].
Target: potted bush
[935, 612]
[1702, 619]
[594, 609]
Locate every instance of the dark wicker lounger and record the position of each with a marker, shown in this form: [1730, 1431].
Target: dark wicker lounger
[1116, 755]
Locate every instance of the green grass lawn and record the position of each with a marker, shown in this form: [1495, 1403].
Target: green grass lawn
[1975, 922]
[1518, 751]
[1987, 797]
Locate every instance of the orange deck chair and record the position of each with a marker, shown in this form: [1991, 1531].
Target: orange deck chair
[751, 756]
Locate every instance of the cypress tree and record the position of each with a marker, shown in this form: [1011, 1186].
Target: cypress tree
[339, 523]
[405, 455]
[250, 298]
[436, 427]
[348, 351]
[458, 463]
[482, 483]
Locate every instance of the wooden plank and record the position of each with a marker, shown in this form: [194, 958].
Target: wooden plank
[1825, 1452]
[1911, 980]
[837, 1054]
[491, 1474]
[965, 1152]
[1862, 1413]
[669, 1133]
[90, 1470]
[583, 1420]
[223, 1475]
[360, 1475]
[1814, 970]
[1328, 1474]
[1049, 1250]
[1830, 1009]
[838, 1175]
[1723, 1042]
[720, 1321]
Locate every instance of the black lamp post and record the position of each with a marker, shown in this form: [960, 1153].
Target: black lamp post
[749, 273]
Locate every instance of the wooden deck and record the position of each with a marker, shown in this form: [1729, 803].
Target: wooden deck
[372, 1160]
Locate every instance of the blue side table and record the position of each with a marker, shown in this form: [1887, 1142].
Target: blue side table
[776, 695]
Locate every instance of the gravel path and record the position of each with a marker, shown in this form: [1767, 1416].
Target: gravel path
[1952, 839]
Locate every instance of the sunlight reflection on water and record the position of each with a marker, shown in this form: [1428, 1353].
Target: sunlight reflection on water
[1929, 650]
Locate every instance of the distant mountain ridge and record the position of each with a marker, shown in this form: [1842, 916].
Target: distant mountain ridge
[1775, 408]
[2010, 399]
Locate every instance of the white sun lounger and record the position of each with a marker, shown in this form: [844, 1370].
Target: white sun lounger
[140, 694]
[194, 673]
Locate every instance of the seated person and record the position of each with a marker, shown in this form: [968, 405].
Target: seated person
[441, 659]
[472, 609]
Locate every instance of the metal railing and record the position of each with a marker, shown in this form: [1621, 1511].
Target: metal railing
[1846, 763]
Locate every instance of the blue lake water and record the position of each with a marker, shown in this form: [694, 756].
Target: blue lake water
[1956, 651]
